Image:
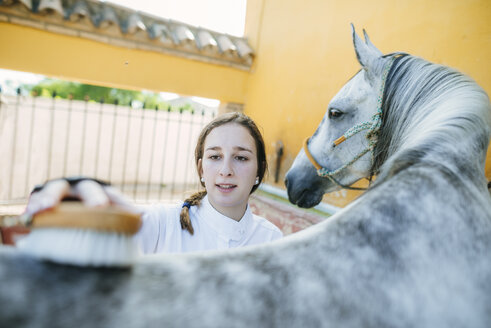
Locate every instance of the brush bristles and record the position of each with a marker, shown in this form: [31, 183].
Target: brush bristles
[80, 247]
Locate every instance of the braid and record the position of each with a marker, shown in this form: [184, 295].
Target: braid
[193, 200]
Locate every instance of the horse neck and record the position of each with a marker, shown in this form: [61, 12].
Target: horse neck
[433, 115]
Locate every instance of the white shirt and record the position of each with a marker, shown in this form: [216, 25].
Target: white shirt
[161, 230]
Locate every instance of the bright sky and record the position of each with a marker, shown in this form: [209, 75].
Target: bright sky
[225, 16]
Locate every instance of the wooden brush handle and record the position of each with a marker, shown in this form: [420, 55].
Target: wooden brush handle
[75, 215]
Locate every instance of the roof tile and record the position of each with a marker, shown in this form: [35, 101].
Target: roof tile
[25, 5]
[51, 7]
[225, 44]
[182, 34]
[79, 11]
[107, 17]
[205, 40]
[134, 24]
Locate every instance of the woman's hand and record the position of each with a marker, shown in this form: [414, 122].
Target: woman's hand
[89, 192]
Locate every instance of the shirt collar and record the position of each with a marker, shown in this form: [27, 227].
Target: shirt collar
[223, 225]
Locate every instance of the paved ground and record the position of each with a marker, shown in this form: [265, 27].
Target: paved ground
[285, 216]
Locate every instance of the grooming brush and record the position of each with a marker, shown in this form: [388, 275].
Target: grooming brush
[74, 234]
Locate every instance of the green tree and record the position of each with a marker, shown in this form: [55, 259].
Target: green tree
[79, 91]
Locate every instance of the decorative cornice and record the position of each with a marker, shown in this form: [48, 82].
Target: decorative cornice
[120, 26]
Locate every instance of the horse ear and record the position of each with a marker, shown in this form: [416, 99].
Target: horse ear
[371, 45]
[366, 52]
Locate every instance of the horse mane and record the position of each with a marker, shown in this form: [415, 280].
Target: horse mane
[432, 114]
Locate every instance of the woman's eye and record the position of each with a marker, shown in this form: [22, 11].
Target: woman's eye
[241, 158]
[214, 157]
[335, 113]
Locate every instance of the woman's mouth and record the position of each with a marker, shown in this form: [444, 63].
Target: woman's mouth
[226, 187]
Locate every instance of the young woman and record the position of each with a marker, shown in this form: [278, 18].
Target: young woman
[231, 162]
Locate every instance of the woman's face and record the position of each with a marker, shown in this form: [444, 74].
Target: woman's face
[229, 168]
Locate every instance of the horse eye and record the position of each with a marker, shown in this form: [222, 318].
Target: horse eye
[334, 113]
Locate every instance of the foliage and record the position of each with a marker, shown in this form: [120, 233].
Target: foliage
[79, 91]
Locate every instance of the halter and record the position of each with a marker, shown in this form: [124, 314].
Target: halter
[373, 127]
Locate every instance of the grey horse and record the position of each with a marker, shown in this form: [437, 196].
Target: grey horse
[412, 251]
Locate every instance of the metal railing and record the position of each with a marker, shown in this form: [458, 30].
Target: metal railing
[148, 154]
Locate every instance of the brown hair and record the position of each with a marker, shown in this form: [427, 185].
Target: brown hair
[262, 164]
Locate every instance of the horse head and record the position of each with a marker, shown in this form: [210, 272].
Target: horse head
[354, 106]
[396, 104]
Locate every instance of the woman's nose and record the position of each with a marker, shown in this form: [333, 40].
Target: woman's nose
[226, 168]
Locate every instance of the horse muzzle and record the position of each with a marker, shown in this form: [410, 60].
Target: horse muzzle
[305, 188]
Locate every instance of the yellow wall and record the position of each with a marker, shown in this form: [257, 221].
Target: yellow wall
[305, 54]
[30, 50]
